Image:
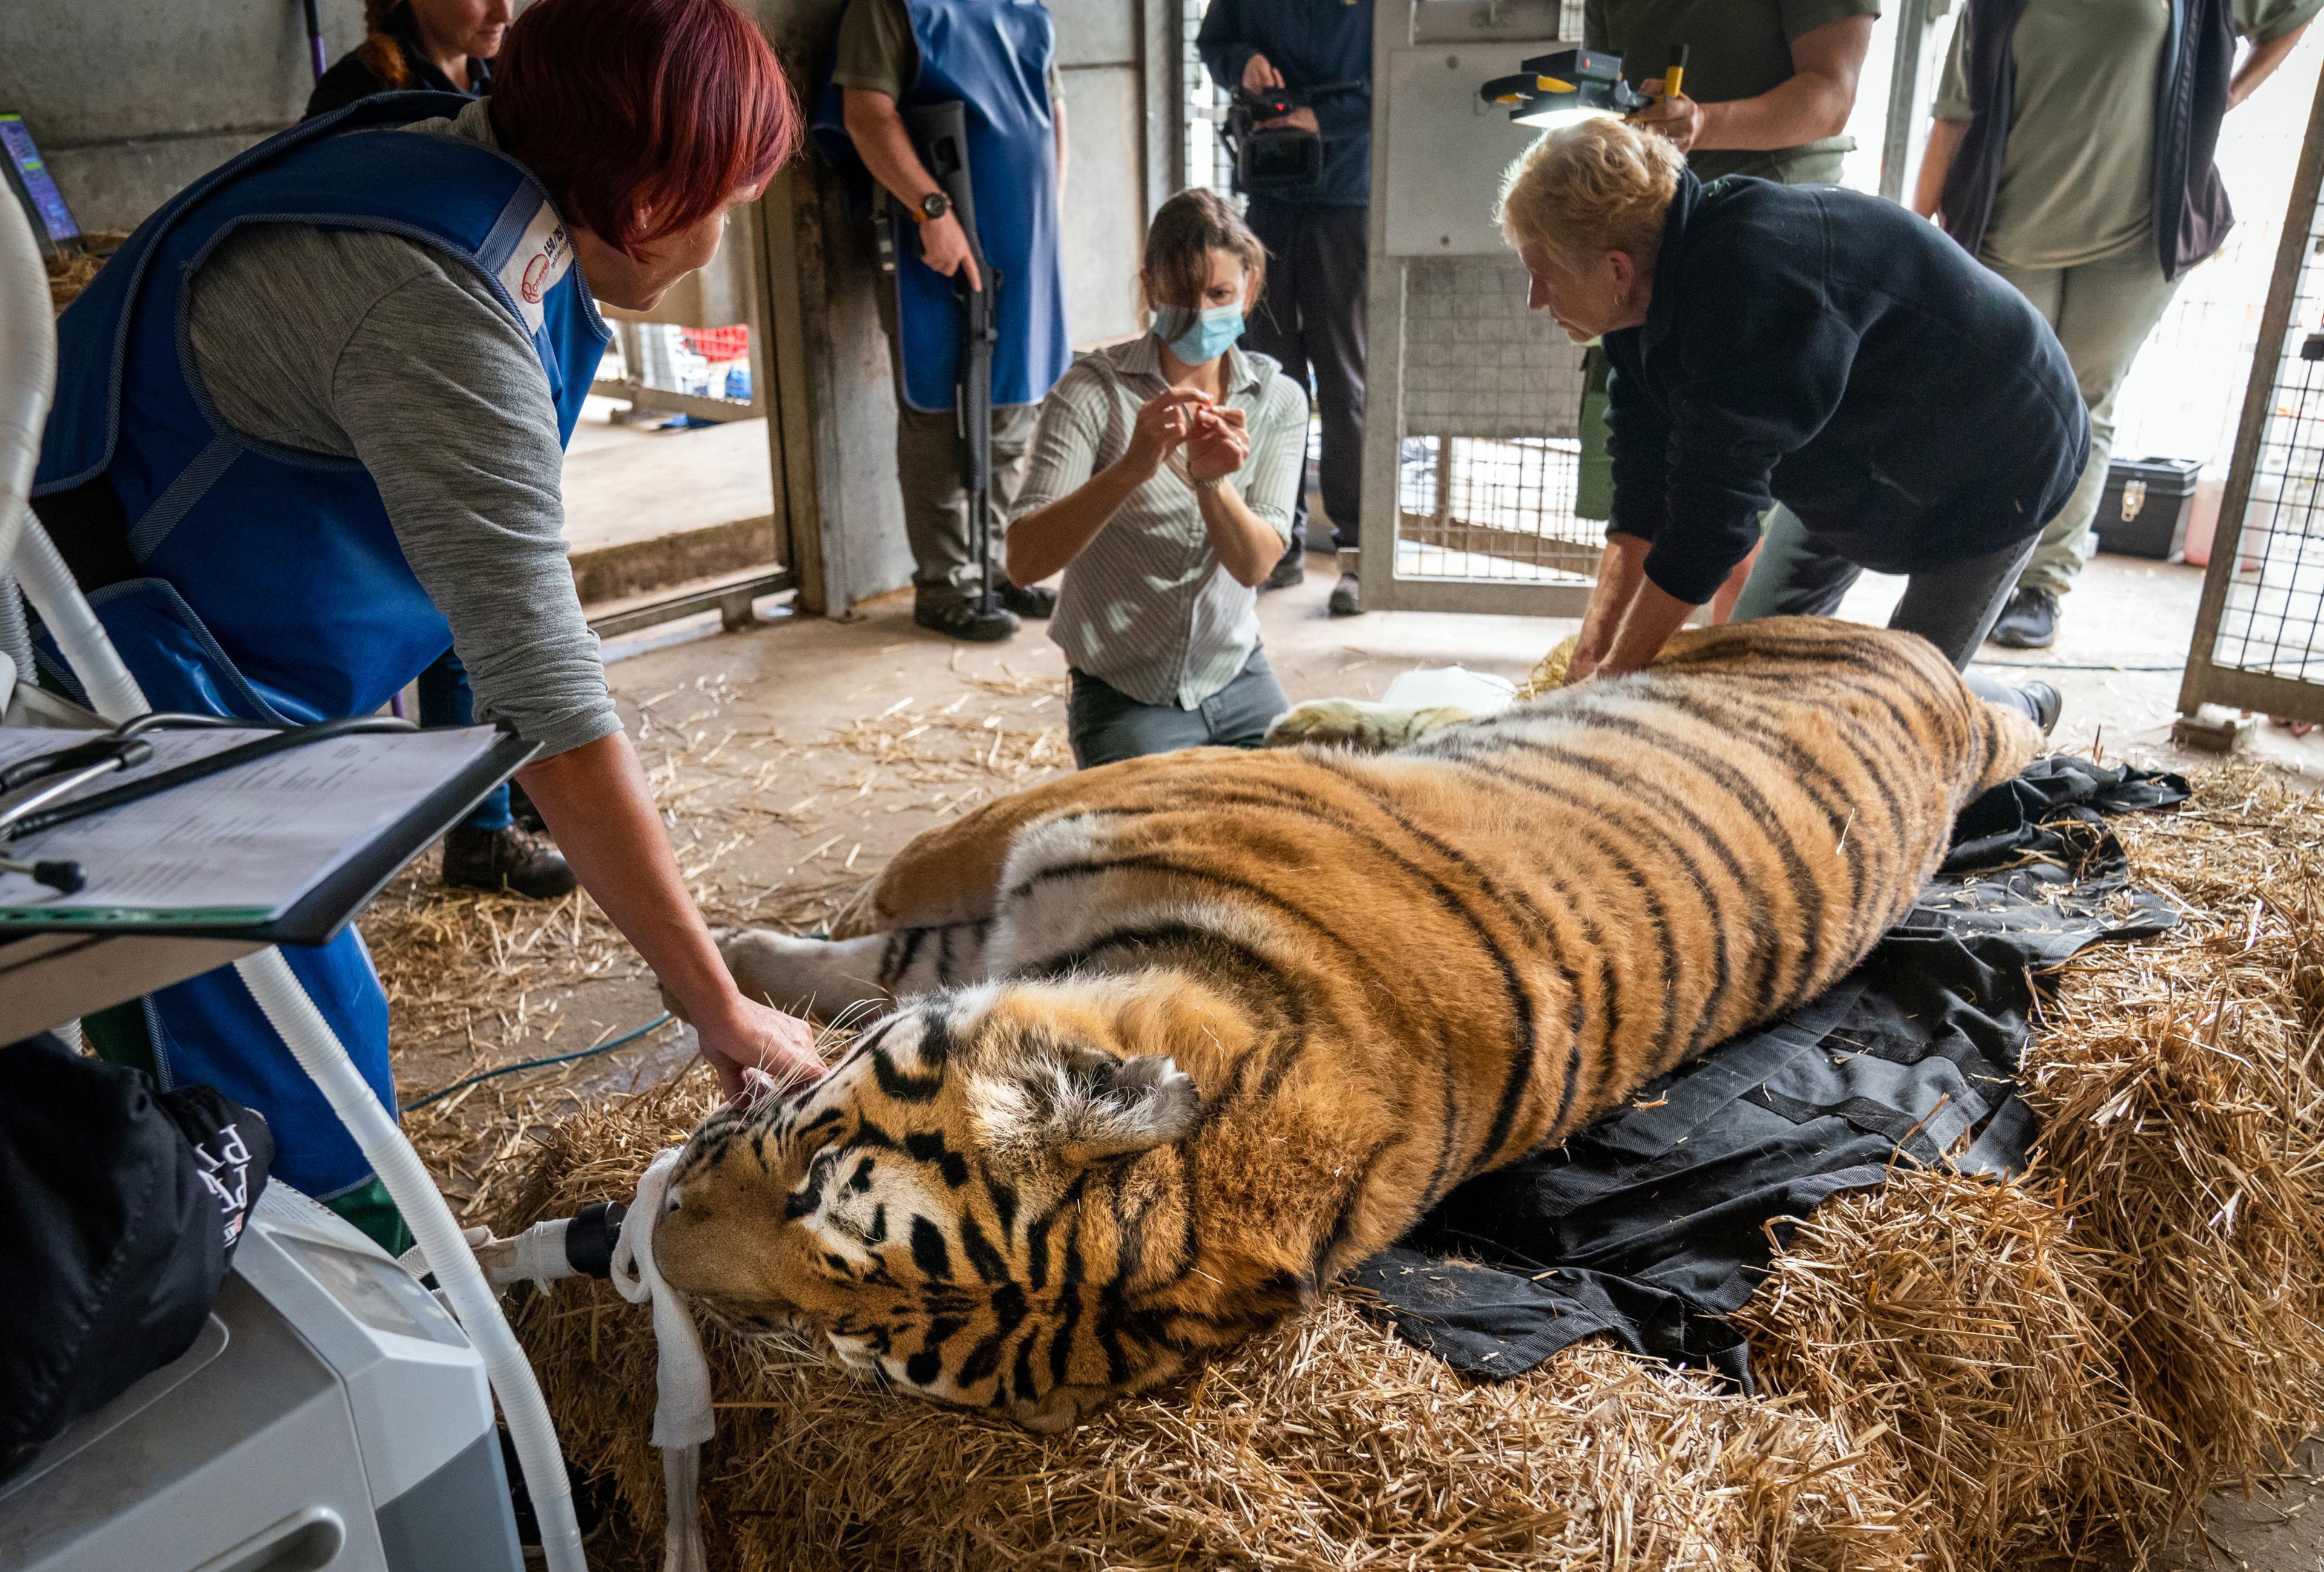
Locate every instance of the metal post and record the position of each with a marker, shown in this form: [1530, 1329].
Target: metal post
[1903, 95]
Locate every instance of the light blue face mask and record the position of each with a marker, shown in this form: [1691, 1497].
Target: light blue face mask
[1198, 337]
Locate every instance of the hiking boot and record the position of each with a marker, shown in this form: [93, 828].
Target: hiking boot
[505, 860]
[1290, 569]
[2030, 621]
[1348, 595]
[1035, 603]
[2047, 703]
[959, 619]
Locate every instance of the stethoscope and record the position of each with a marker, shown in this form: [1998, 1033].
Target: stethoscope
[52, 776]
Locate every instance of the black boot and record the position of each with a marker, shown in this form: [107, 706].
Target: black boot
[2047, 703]
[957, 617]
[505, 860]
[1347, 595]
[2030, 621]
[1035, 603]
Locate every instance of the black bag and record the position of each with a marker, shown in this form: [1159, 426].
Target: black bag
[120, 1208]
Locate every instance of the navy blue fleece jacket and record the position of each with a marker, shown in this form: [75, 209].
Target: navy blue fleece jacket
[1829, 350]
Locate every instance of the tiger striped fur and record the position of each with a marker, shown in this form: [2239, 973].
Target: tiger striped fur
[1177, 1040]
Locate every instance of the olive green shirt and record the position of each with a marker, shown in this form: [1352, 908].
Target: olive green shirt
[1738, 49]
[2078, 170]
[877, 50]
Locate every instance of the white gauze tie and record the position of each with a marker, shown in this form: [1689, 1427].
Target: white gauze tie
[682, 1418]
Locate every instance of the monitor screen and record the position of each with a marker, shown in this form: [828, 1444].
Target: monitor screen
[32, 171]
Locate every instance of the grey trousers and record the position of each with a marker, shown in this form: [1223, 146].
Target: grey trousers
[1953, 607]
[931, 456]
[1105, 724]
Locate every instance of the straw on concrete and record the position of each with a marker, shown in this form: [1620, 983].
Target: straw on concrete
[1325, 1444]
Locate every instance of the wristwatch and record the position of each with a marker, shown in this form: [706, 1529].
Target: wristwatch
[933, 207]
[1213, 485]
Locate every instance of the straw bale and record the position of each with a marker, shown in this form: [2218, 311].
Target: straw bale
[1327, 1443]
[1961, 1315]
[2181, 1090]
[70, 275]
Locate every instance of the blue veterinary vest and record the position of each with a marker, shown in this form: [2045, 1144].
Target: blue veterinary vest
[993, 56]
[274, 587]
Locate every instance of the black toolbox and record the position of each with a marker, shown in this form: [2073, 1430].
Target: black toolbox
[2145, 506]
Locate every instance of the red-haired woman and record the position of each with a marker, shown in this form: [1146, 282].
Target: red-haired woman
[309, 432]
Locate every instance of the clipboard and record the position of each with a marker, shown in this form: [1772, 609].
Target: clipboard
[319, 914]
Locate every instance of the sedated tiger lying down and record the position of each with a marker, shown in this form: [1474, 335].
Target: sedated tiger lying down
[1176, 1040]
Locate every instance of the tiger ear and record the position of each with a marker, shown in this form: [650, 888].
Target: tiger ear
[1085, 1106]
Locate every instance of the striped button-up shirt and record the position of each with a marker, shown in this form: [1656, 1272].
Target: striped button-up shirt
[1148, 607]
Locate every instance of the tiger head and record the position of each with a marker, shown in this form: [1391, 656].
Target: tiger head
[962, 1205]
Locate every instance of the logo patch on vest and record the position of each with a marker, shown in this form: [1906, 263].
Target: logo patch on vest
[540, 259]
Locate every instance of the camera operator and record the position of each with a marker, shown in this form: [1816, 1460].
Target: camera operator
[1311, 318]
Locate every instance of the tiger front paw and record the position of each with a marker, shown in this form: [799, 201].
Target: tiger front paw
[1368, 728]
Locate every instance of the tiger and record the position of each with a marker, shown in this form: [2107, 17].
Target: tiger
[1170, 1044]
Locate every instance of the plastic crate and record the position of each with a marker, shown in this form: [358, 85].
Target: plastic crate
[716, 345]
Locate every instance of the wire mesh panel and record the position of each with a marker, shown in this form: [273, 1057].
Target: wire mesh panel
[1473, 450]
[2259, 637]
[1490, 464]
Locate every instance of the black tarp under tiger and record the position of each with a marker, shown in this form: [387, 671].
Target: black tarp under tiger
[1656, 1223]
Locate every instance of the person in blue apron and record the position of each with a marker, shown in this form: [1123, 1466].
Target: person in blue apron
[998, 59]
[308, 436]
[446, 46]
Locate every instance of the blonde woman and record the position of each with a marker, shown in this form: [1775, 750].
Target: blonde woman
[1803, 344]
[1161, 483]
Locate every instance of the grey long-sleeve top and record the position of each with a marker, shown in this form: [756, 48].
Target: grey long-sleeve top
[370, 346]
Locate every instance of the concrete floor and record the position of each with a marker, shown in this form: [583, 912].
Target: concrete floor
[626, 483]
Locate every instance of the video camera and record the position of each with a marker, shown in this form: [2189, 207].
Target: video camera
[1275, 157]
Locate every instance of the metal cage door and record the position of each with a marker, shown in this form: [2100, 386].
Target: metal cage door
[2259, 634]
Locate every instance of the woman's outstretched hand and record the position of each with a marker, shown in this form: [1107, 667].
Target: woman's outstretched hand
[757, 1038]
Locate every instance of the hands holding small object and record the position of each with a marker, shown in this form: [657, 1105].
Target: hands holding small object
[1218, 445]
[1217, 439]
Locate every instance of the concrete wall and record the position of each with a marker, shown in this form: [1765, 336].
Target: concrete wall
[1100, 57]
[132, 99]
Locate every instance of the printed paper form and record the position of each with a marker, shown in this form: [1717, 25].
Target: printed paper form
[239, 847]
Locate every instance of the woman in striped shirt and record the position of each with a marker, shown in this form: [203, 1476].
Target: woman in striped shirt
[1161, 482]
